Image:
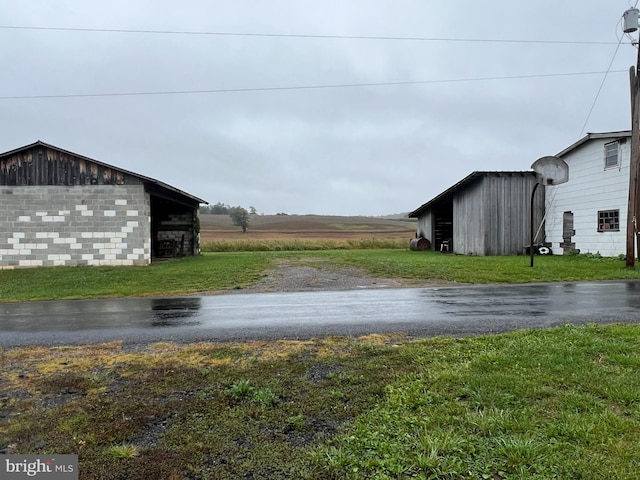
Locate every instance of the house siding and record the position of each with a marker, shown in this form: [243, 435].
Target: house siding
[56, 225]
[591, 188]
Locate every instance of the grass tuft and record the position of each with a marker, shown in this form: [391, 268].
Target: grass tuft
[123, 451]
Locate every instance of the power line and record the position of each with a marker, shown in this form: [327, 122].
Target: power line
[293, 35]
[298, 87]
[604, 79]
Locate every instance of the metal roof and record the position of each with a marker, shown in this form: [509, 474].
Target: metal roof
[145, 179]
[461, 184]
[471, 177]
[594, 136]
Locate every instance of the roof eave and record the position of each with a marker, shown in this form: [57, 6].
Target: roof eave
[466, 180]
[594, 136]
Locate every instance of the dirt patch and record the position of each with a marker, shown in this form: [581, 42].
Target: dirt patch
[313, 274]
[319, 372]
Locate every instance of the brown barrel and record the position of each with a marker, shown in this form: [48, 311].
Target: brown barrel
[419, 244]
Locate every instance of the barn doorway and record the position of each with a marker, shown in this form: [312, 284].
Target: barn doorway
[173, 228]
[443, 227]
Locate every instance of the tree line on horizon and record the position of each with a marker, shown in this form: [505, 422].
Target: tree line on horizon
[240, 216]
[224, 209]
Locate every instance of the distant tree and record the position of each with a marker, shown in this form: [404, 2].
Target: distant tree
[240, 217]
[220, 209]
[253, 211]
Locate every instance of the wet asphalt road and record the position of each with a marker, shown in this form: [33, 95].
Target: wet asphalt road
[418, 312]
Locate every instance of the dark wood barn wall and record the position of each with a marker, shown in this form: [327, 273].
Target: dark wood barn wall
[43, 166]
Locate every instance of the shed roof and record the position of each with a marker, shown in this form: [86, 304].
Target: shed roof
[594, 136]
[451, 191]
[144, 179]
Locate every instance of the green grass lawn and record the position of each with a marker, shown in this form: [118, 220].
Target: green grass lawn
[419, 266]
[207, 273]
[562, 403]
[235, 270]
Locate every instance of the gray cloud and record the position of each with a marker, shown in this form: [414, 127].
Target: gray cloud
[366, 150]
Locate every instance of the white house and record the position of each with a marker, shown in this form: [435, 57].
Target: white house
[589, 212]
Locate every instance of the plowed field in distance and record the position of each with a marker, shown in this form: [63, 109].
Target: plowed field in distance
[305, 227]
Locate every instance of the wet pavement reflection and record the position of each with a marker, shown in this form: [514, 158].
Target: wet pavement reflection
[175, 311]
[415, 311]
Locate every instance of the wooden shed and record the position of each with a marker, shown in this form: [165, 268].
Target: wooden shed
[486, 213]
[61, 208]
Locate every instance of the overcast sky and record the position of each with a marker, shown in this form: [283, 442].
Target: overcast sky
[357, 150]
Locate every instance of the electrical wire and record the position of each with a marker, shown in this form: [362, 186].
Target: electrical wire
[298, 87]
[604, 79]
[290, 35]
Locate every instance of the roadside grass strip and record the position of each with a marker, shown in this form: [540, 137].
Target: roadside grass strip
[225, 271]
[562, 403]
[558, 403]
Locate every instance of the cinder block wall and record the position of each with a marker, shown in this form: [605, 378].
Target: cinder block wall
[80, 225]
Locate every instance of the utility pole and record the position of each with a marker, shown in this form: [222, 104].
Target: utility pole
[631, 25]
[633, 167]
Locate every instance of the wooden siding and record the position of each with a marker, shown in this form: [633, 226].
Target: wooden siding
[425, 228]
[506, 213]
[468, 223]
[490, 214]
[44, 166]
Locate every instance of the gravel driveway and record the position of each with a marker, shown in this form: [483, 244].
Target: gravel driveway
[311, 274]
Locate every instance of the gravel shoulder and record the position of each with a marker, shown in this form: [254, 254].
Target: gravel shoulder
[312, 274]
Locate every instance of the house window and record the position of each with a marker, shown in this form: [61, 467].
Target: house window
[611, 155]
[609, 220]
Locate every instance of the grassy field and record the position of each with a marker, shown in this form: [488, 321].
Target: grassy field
[562, 403]
[304, 232]
[307, 226]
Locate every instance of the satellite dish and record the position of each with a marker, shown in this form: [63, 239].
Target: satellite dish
[553, 170]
